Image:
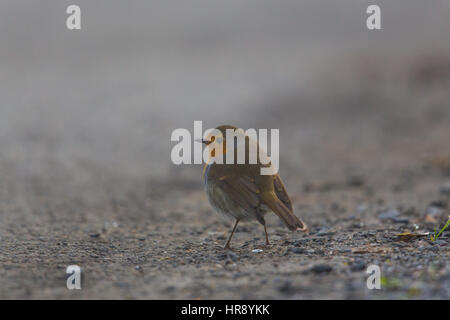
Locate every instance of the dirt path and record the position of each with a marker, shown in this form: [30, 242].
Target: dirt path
[85, 171]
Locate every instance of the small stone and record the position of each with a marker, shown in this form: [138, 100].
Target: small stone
[400, 220]
[169, 289]
[286, 287]
[94, 235]
[360, 210]
[325, 232]
[389, 215]
[297, 250]
[233, 256]
[321, 268]
[228, 256]
[357, 266]
[357, 225]
[439, 203]
[433, 213]
[445, 188]
[300, 242]
[241, 274]
[257, 250]
[356, 181]
[243, 229]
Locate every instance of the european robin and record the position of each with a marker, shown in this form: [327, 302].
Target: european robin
[240, 190]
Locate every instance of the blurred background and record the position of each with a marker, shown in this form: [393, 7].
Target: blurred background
[110, 94]
[86, 116]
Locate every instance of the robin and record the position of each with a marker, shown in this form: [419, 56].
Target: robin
[240, 190]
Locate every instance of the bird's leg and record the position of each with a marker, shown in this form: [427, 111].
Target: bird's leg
[227, 246]
[267, 236]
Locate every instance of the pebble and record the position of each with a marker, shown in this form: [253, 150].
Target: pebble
[229, 255]
[433, 211]
[241, 274]
[389, 215]
[297, 250]
[321, 268]
[257, 250]
[358, 266]
[361, 209]
[439, 203]
[400, 220]
[356, 181]
[286, 287]
[445, 188]
[233, 256]
[325, 232]
[300, 242]
[357, 225]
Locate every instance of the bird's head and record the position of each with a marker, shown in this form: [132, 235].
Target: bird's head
[244, 147]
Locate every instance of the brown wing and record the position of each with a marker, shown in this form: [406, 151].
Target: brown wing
[282, 206]
[281, 192]
[244, 191]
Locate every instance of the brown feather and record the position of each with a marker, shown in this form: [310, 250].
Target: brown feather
[283, 212]
[281, 192]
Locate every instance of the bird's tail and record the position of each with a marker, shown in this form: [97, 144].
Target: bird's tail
[286, 215]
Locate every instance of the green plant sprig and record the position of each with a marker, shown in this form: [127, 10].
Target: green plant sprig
[436, 236]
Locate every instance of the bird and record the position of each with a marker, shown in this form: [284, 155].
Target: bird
[240, 191]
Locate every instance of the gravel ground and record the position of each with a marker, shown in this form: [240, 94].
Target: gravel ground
[85, 176]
